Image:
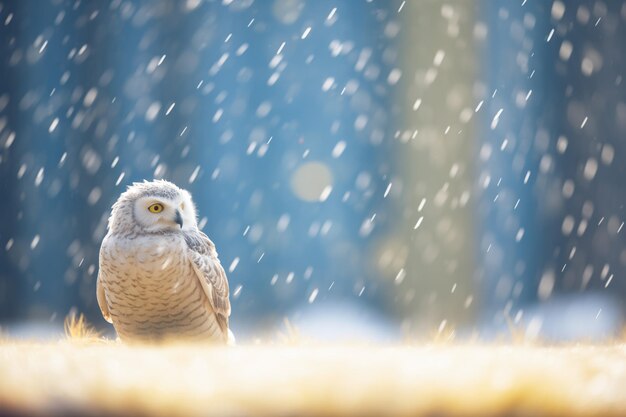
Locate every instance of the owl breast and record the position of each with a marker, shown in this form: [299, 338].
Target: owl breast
[152, 290]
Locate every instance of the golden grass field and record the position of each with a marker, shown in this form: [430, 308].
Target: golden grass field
[84, 375]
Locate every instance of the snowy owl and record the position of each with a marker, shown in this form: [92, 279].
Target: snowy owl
[159, 277]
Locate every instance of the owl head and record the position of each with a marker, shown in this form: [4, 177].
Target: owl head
[153, 207]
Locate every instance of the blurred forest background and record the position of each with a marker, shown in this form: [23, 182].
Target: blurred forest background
[367, 169]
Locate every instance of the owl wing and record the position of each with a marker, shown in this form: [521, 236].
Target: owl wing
[102, 301]
[203, 256]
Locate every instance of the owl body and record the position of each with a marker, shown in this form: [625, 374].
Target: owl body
[163, 282]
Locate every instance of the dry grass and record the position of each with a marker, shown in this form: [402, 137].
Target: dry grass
[91, 376]
[77, 329]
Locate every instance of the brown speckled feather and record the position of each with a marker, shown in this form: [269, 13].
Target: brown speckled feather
[212, 277]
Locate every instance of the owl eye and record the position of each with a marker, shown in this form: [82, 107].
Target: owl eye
[156, 208]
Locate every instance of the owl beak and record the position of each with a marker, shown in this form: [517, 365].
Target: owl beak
[179, 219]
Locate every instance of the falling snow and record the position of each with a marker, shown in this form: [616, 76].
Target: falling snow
[326, 162]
